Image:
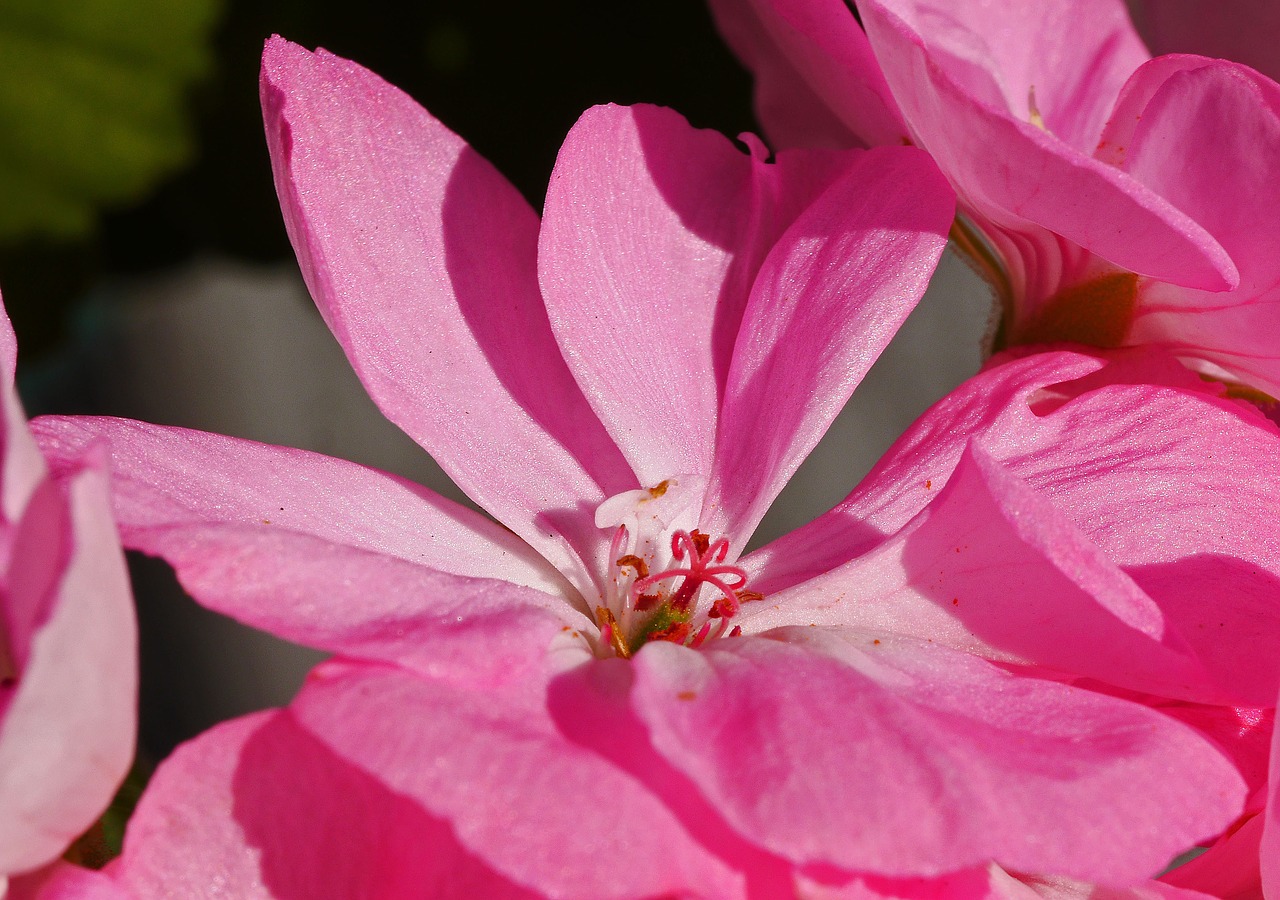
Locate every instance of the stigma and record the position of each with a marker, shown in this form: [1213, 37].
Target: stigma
[664, 579]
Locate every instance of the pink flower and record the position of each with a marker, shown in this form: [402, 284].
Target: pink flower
[68, 644]
[602, 699]
[1113, 199]
[1245, 860]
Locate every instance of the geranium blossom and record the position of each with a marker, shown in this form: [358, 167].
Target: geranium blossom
[605, 700]
[68, 643]
[1113, 199]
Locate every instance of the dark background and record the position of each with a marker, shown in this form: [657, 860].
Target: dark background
[510, 77]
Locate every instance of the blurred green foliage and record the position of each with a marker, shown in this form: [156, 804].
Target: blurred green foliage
[93, 106]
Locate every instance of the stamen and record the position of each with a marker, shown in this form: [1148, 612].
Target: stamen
[676, 633]
[701, 635]
[1033, 111]
[705, 566]
[610, 633]
[635, 562]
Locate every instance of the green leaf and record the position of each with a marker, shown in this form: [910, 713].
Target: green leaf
[93, 104]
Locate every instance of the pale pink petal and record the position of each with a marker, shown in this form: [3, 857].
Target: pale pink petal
[1067, 889]
[364, 604]
[1130, 465]
[905, 758]
[828, 298]
[993, 404]
[1247, 31]
[1126, 116]
[1010, 55]
[535, 807]
[258, 808]
[1018, 176]
[166, 479]
[988, 883]
[1243, 733]
[67, 735]
[817, 81]
[789, 109]
[422, 259]
[1207, 133]
[992, 569]
[63, 881]
[21, 467]
[653, 234]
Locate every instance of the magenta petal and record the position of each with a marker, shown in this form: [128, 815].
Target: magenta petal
[979, 883]
[67, 736]
[422, 259]
[817, 82]
[259, 808]
[543, 811]
[1022, 178]
[1127, 464]
[1229, 869]
[829, 297]
[905, 758]
[1270, 846]
[1208, 132]
[166, 479]
[991, 568]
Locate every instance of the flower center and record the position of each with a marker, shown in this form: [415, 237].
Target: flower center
[1098, 312]
[665, 582]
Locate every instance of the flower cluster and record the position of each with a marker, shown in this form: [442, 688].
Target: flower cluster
[1035, 653]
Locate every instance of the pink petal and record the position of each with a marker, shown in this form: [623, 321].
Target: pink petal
[166, 479]
[790, 110]
[653, 234]
[543, 811]
[1243, 733]
[363, 604]
[913, 772]
[1270, 844]
[992, 569]
[1207, 133]
[63, 881]
[817, 82]
[324, 552]
[1067, 889]
[1229, 869]
[828, 298]
[67, 735]
[988, 883]
[1127, 463]
[259, 808]
[21, 467]
[422, 259]
[1017, 176]
[1000, 52]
